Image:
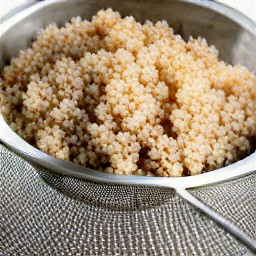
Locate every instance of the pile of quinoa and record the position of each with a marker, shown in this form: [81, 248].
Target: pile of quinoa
[129, 98]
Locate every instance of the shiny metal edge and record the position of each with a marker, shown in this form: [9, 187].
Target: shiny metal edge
[220, 8]
[18, 8]
[37, 157]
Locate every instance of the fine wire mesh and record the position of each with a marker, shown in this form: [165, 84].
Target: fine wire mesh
[46, 214]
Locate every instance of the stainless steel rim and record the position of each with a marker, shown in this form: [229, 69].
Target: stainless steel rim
[37, 157]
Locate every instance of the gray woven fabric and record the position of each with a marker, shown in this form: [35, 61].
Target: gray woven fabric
[46, 214]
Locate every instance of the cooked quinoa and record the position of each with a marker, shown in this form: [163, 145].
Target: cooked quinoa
[130, 98]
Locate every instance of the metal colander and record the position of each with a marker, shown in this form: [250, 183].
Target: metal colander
[52, 207]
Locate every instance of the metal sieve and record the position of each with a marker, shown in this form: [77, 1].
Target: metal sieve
[231, 32]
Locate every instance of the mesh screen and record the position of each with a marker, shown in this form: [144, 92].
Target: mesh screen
[46, 214]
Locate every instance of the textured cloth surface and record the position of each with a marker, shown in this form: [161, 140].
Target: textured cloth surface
[46, 214]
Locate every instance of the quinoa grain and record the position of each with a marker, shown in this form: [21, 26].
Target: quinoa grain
[130, 98]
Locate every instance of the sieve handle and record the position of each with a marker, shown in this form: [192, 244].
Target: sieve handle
[224, 223]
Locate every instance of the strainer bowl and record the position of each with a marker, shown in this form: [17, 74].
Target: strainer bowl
[231, 32]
